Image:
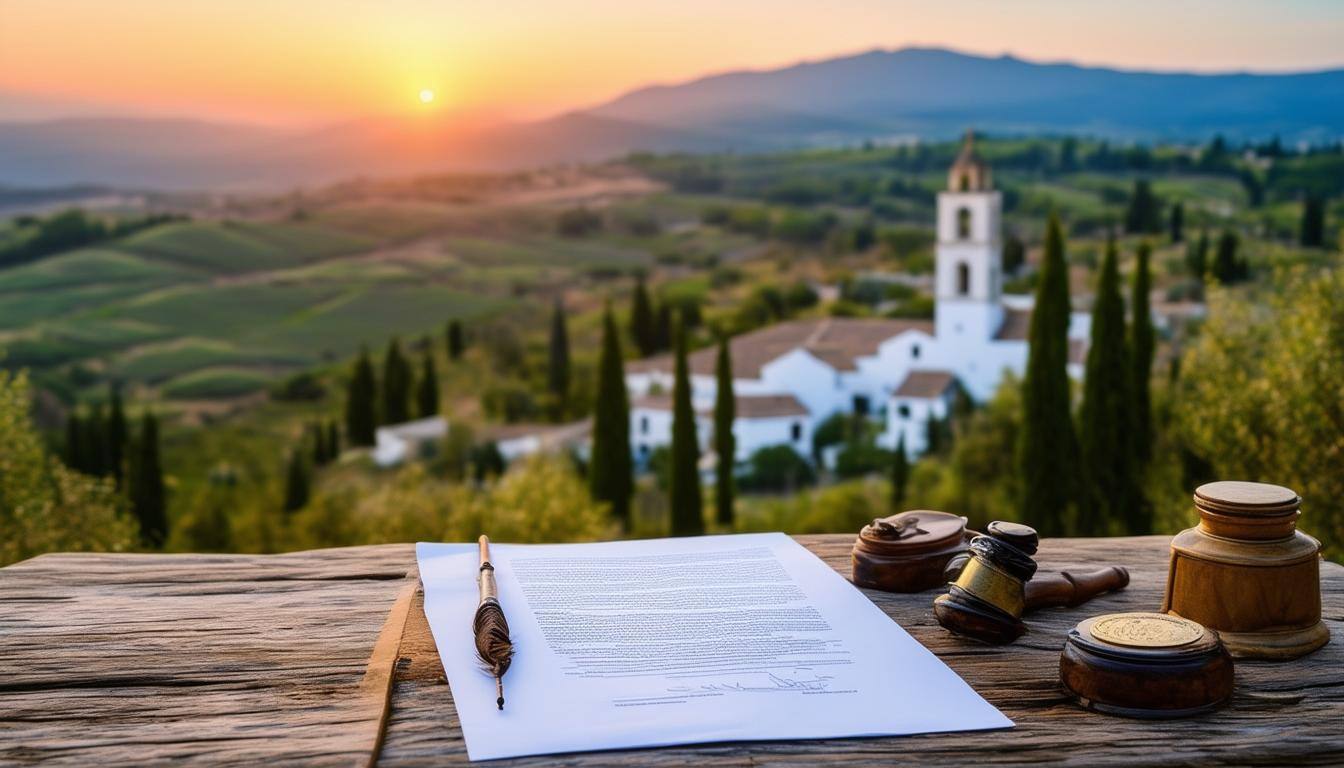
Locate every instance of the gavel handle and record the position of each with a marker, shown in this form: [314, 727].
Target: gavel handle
[1065, 589]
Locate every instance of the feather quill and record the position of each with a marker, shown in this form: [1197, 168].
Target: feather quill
[493, 646]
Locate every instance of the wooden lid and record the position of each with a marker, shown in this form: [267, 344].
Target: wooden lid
[913, 532]
[1239, 497]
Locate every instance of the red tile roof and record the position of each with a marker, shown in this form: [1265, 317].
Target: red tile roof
[925, 384]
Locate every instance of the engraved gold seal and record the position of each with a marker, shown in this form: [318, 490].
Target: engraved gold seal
[1146, 630]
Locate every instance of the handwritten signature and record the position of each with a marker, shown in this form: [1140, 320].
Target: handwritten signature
[773, 684]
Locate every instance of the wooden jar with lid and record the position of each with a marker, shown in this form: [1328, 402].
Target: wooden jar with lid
[1247, 572]
[908, 552]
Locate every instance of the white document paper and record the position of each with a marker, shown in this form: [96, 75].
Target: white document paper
[678, 641]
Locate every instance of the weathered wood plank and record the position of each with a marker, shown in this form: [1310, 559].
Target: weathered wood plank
[1291, 714]
[228, 660]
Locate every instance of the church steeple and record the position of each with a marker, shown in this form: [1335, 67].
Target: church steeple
[969, 173]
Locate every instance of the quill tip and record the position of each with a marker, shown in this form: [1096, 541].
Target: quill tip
[500, 702]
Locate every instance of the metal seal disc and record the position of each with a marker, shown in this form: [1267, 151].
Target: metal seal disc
[1146, 630]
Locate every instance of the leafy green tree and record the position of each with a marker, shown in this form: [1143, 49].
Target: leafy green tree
[74, 443]
[427, 389]
[1197, 256]
[333, 440]
[1141, 346]
[457, 343]
[456, 455]
[118, 436]
[611, 470]
[148, 501]
[557, 362]
[1047, 443]
[298, 483]
[777, 468]
[207, 527]
[95, 443]
[725, 445]
[1261, 394]
[1227, 266]
[46, 506]
[396, 385]
[1312, 232]
[1177, 222]
[684, 493]
[900, 475]
[642, 321]
[1106, 420]
[318, 437]
[360, 411]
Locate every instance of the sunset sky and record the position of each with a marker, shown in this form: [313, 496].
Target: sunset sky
[309, 61]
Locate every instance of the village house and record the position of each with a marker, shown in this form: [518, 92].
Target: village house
[789, 377]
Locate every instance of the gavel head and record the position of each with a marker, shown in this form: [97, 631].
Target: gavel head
[989, 596]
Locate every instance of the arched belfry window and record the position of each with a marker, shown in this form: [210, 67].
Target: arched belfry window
[963, 223]
[965, 182]
[963, 279]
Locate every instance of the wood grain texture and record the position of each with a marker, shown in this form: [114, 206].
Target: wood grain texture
[225, 660]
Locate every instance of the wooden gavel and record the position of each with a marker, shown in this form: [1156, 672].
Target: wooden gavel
[1058, 590]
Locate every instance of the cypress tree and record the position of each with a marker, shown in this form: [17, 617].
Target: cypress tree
[360, 419]
[900, 475]
[725, 445]
[297, 483]
[74, 442]
[456, 343]
[1142, 215]
[610, 469]
[1225, 264]
[1106, 419]
[333, 441]
[319, 439]
[1312, 234]
[95, 443]
[662, 328]
[1177, 222]
[557, 361]
[146, 485]
[117, 436]
[684, 492]
[1047, 444]
[427, 392]
[1197, 256]
[642, 321]
[1141, 344]
[396, 385]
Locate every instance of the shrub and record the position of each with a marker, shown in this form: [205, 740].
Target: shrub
[776, 468]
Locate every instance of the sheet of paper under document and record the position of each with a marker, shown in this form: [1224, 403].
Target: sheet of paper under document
[677, 641]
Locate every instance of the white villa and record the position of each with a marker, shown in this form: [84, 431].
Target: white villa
[789, 377]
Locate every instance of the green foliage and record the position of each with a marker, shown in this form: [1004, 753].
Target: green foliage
[1261, 396]
[1048, 445]
[215, 384]
[205, 525]
[509, 402]
[45, 506]
[900, 475]
[360, 413]
[146, 488]
[1142, 343]
[1014, 254]
[298, 482]
[427, 388]
[396, 385]
[1228, 266]
[68, 230]
[777, 469]
[1110, 500]
[1311, 234]
[610, 469]
[1144, 214]
[841, 508]
[1176, 222]
[557, 362]
[725, 444]
[304, 386]
[1197, 256]
[862, 459]
[684, 495]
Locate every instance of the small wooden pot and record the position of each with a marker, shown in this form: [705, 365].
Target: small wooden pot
[907, 552]
[1145, 665]
[1247, 572]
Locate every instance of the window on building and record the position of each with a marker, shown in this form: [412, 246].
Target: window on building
[963, 223]
[914, 351]
[861, 406]
[965, 182]
[796, 431]
[643, 425]
[903, 411]
[963, 279]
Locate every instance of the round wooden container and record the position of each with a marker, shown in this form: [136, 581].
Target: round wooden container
[1147, 665]
[1247, 572]
[907, 552]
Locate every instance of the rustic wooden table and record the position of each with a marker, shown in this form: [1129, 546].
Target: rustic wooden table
[296, 659]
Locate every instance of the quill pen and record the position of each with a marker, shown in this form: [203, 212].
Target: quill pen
[493, 645]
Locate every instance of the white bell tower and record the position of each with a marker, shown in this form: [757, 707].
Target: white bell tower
[969, 280]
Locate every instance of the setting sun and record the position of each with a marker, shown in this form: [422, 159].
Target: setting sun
[426, 96]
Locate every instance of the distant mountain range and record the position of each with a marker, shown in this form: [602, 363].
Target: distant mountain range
[931, 93]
